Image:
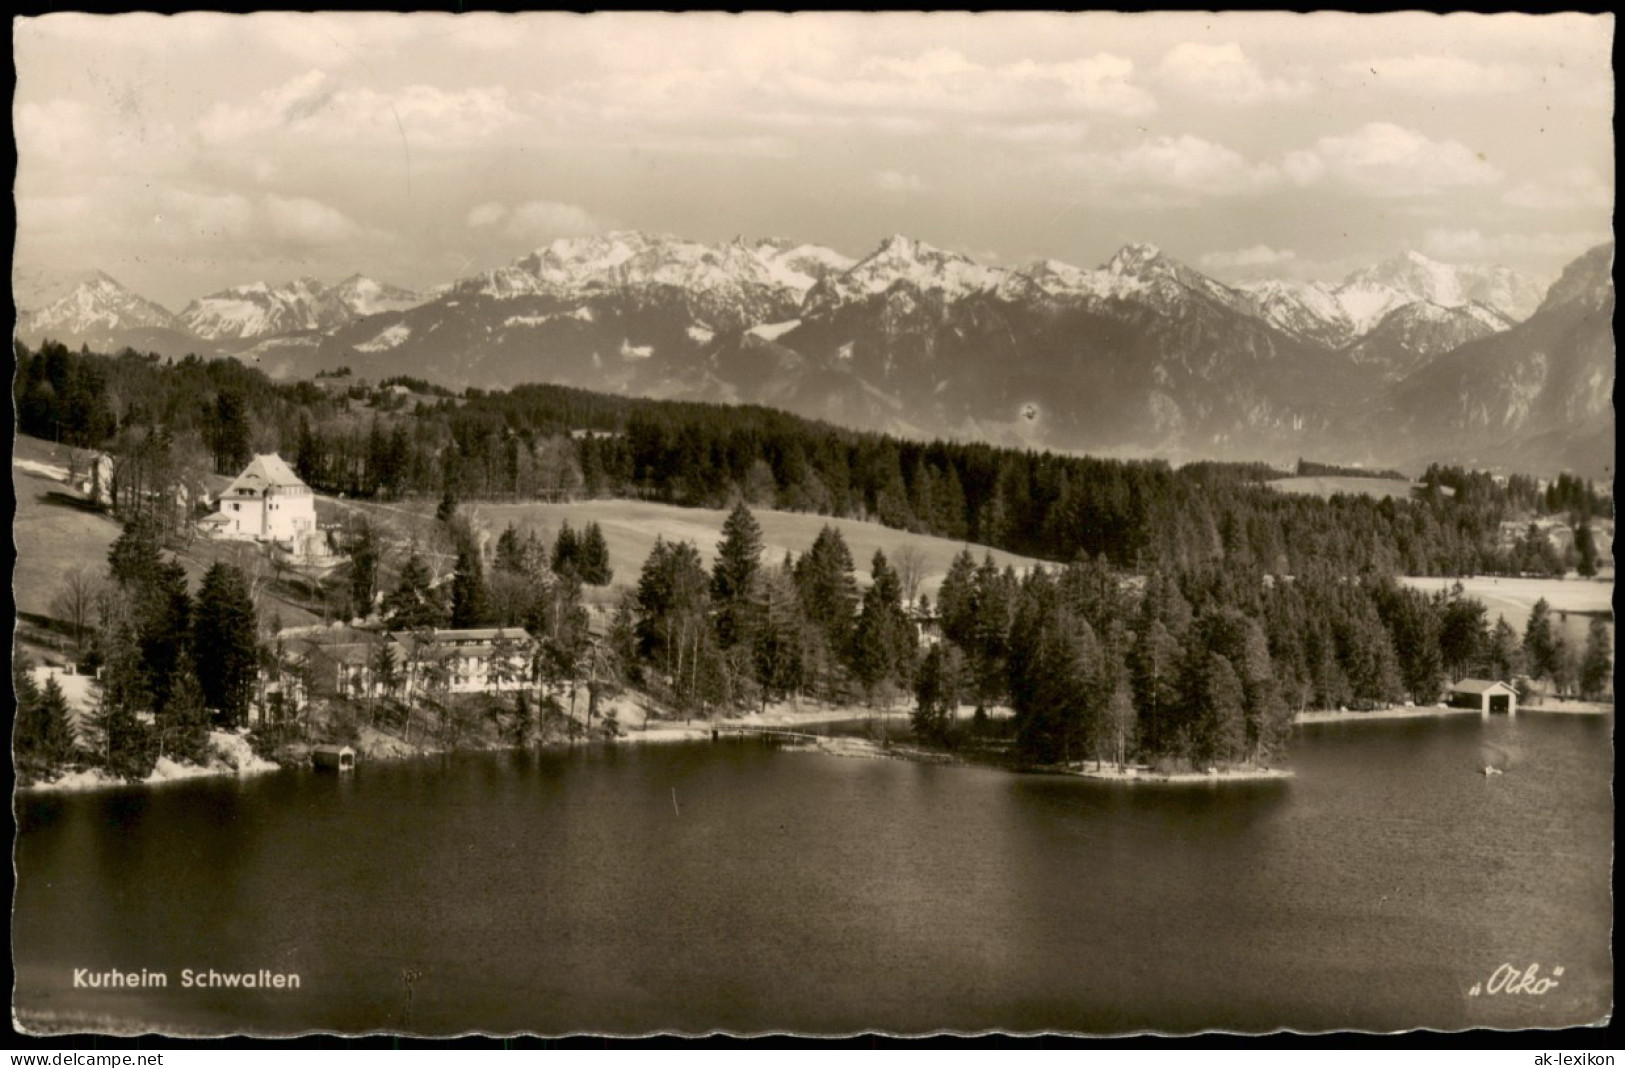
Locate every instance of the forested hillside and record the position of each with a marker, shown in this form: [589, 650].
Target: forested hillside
[401, 438]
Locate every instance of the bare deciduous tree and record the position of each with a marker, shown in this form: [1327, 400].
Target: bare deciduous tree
[75, 602]
[910, 564]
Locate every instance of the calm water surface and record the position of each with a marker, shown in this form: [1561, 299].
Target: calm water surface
[737, 887]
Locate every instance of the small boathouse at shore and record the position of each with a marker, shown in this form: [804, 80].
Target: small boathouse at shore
[333, 758]
[1486, 695]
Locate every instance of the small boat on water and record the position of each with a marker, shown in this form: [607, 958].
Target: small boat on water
[1491, 769]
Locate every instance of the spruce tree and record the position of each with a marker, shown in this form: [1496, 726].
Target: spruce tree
[413, 604]
[829, 592]
[734, 576]
[594, 551]
[1597, 663]
[936, 692]
[363, 550]
[43, 737]
[566, 559]
[226, 644]
[1540, 642]
[182, 728]
[468, 603]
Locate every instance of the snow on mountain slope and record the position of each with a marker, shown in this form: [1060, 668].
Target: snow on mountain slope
[630, 259]
[365, 296]
[1304, 309]
[899, 259]
[97, 304]
[1413, 333]
[1371, 293]
[258, 310]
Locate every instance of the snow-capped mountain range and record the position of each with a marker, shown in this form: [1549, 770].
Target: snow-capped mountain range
[98, 304]
[259, 310]
[1142, 353]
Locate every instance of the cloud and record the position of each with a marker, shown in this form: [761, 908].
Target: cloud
[185, 216]
[307, 223]
[943, 78]
[898, 182]
[1254, 256]
[483, 215]
[1576, 187]
[1225, 73]
[1383, 159]
[315, 107]
[1472, 245]
[1443, 75]
[902, 94]
[1041, 134]
[1185, 163]
[543, 220]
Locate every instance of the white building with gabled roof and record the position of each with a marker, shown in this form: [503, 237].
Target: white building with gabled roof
[267, 502]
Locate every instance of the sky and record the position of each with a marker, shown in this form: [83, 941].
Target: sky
[183, 154]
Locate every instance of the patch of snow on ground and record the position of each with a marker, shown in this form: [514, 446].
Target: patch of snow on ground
[230, 754]
[636, 352]
[701, 334]
[34, 467]
[774, 331]
[238, 754]
[389, 338]
[76, 689]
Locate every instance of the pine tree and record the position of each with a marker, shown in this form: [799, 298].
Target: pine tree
[1504, 655]
[136, 553]
[829, 592]
[1597, 663]
[363, 550]
[226, 644]
[594, 551]
[956, 600]
[734, 577]
[447, 509]
[163, 613]
[781, 655]
[43, 737]
[413, 604]
[566, 558]
[1585, 548]
[509, 553]
[884, 641]
[1154, 676]
[1540, 642]
[936, 692]
[468, 603]
[232, 433]
[182, 728]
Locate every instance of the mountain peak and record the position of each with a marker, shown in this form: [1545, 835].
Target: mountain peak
[903, 246]
[98, 303]
[1134, 258]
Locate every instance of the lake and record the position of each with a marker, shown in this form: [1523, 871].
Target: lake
[743, 888]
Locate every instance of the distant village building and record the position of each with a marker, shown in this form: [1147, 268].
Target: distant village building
[267, 502]
[355, 664]
[1485, 695]
[91, 473]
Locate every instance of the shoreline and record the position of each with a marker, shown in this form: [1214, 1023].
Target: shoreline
[1560, 708]
[233, 757]
[864, 748]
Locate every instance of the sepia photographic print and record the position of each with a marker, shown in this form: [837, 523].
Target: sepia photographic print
[821, 524]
